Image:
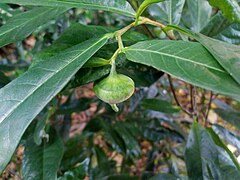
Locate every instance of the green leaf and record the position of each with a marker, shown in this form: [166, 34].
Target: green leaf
[159, 105]
[233, 117]
[116, 6]
[230, 34]
[78, 33]
[131, 143]
[205, 160]
[39, 129]
[228, 55]
[227, 135]
[116, 140]
[22, 25]
[229, 8]
[169, 11]
[42, 162]
[78, 172]
[23, 98]
[219, 142]
[188, 61]
[200, 13]
[77, 149]
[3, 79]
[143, 6]
[216, 25]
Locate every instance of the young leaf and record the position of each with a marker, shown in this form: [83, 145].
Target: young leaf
[169, 11]
[230, 8]
[143, 6]
[204, 159]
[116, 6]
[23, 24]
[188, 61]
[200, 13]
[42, 162]
[22, 99]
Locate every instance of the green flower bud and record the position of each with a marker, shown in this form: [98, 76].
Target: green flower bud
[114, 89]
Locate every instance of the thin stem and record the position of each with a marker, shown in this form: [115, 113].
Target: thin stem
[113, 63]
[162, 26]
[147, 31]
[175, 96]
[193, 101]
[208, 108]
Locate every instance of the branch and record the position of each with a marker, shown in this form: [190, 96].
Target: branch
[175, 96]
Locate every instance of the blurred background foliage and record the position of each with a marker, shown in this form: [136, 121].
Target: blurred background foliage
[148, 137]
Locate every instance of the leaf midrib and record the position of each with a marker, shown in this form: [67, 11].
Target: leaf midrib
[176, 57]
[111, 8]
[26, 22]
[38, 86]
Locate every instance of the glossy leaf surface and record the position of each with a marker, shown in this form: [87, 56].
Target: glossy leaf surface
[228, 55]
[204, 159]
[230, 8]
[116, 6]
[169, 11]
[22, 99]
[200, 13]
[23, 24]
[188, 61]
[42, 162]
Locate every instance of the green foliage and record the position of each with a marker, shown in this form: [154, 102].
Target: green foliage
[187, 61]
[68, 133]
[230, 8]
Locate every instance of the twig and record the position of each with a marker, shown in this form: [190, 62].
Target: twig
[193, 101]
[208, 108]
[175, 96]
[162, 26]
[148, 32]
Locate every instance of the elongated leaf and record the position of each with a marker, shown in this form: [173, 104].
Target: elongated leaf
[230, 8]
[230, 34]
[232, 117]
[227, 135]
[228, 55]
[205, 160]
[219, 142]
[116, 6]
[23, 24]
[200, 13]
[78, 33]
[188, 61]
[216, 25]
[169, 11]
[42, 162]
[25, 97]
[78, 172]
[159, 105]
[143, 6]
[131, 143]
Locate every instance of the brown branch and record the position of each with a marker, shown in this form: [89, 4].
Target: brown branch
[193, 101]
[208, 108]
[175, 96]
